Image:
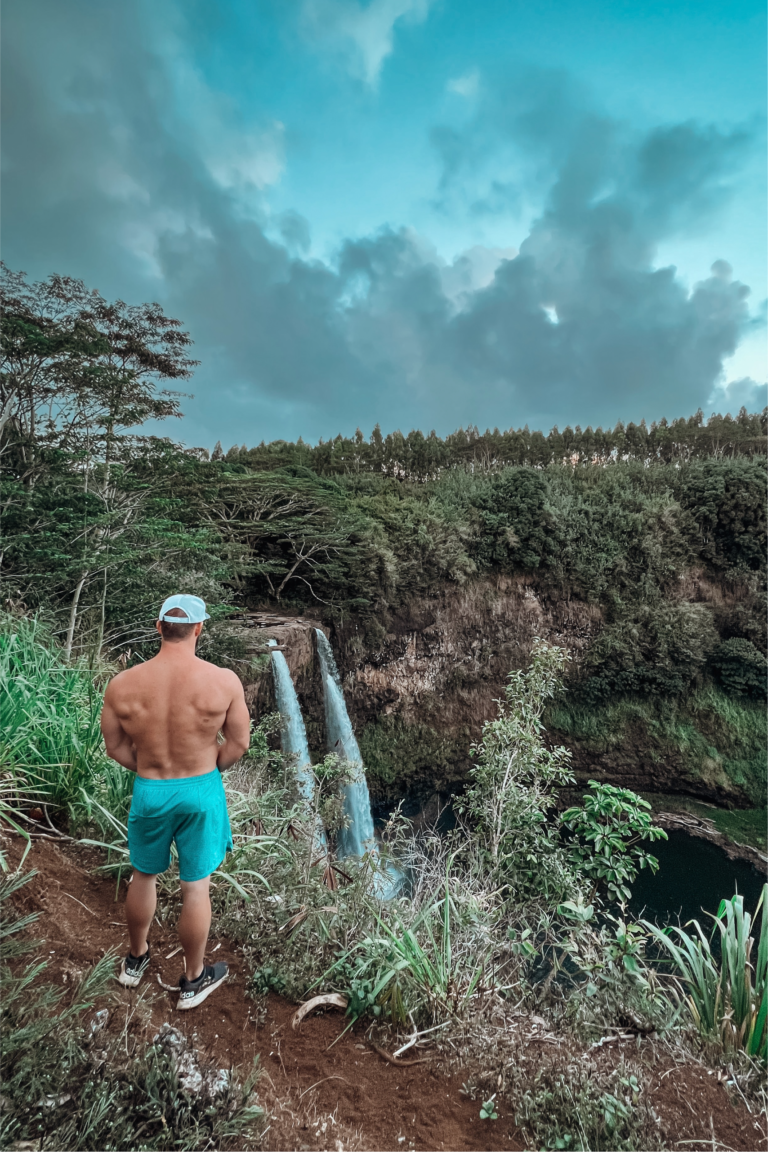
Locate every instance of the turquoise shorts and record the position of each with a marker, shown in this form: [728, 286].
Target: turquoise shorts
[191, 810]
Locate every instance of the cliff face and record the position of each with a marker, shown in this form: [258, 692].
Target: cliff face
[419, 692]
[444, 661]
[420, 697]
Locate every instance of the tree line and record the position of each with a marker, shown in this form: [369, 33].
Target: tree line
[421, 458]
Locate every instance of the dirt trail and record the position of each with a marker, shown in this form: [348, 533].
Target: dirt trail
[318, 1097]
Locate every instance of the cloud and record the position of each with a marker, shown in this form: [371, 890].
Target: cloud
[111, 174]
[743, 393]
[254, 159]
[363, 33]
[465, 85]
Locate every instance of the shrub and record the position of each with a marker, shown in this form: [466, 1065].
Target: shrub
[658, 649]
[512, 780]
[740, 668]
[607, 831]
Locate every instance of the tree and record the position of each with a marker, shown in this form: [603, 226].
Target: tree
[513, 777]
[76, 368]
[82, 497]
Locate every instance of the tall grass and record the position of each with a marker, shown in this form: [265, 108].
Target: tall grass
[51, 750]
[727, 998]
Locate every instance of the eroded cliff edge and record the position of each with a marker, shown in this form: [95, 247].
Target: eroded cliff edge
[420, 687]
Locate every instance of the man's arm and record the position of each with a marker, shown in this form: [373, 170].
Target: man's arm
[236, 728]
[116, 740]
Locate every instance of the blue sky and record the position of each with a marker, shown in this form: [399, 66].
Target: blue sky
[421, 213]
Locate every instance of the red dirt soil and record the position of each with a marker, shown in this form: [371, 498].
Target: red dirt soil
[318, 1096]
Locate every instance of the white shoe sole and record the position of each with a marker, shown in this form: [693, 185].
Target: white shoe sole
[184, 1005]
[127, 980]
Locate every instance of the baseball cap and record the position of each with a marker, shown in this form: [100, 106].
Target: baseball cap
[192, 607]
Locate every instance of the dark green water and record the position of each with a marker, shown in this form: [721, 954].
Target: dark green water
[694, 876]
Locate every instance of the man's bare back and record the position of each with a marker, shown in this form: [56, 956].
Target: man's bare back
[162, 718]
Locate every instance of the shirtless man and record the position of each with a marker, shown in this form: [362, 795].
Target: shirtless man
[161, 720]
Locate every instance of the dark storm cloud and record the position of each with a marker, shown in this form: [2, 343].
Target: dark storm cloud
[582, 317]
[111, 175]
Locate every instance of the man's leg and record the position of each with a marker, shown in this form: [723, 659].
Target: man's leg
[194, 924]
[140, 904]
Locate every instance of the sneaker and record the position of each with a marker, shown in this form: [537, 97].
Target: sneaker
[193, 992]
[133, 968]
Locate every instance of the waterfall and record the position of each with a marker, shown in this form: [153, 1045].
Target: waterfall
[293, 737]
[293, 734]
[358, 838]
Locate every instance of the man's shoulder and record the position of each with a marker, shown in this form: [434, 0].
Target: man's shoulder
[129, 676]
[225, 676]
[122, 686]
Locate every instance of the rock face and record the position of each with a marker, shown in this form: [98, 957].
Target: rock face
[419, 691]
[640, 768]
[446, 660]
[295, 637]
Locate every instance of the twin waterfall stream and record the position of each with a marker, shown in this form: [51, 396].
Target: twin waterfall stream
[358, 838]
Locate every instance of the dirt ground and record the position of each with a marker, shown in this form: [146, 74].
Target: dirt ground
[320, 1094]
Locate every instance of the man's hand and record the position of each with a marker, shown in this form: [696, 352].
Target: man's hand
[236, 728]
[116, 740]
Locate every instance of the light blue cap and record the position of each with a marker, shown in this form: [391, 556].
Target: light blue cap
[192, 606]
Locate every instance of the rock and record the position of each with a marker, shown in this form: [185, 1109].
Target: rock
[210, 1083]
[189, 1074]
[216, 1082]
[99, 1022]
[171, 1040]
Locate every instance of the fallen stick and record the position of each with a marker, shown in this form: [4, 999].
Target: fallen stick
[331, 999]
[417, 1036]
[391, 1059]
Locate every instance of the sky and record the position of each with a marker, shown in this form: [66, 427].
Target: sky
[418, 213]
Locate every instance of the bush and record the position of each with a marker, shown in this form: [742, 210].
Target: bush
[740, 668]
[656, 649]
[607, 831]
[512, 781]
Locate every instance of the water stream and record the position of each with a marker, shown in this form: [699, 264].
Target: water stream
[358, 838]
[293, 735]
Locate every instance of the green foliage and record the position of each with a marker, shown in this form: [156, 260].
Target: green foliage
[657, 649]
[516, 528]
[488, 1109]
[706, 734]
[741, 668]
[570, 1106]
[726, 500]
[727, 996]
[50, 739]
[607, 832]
[411, 966]
[512, 778]
[411, 757]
